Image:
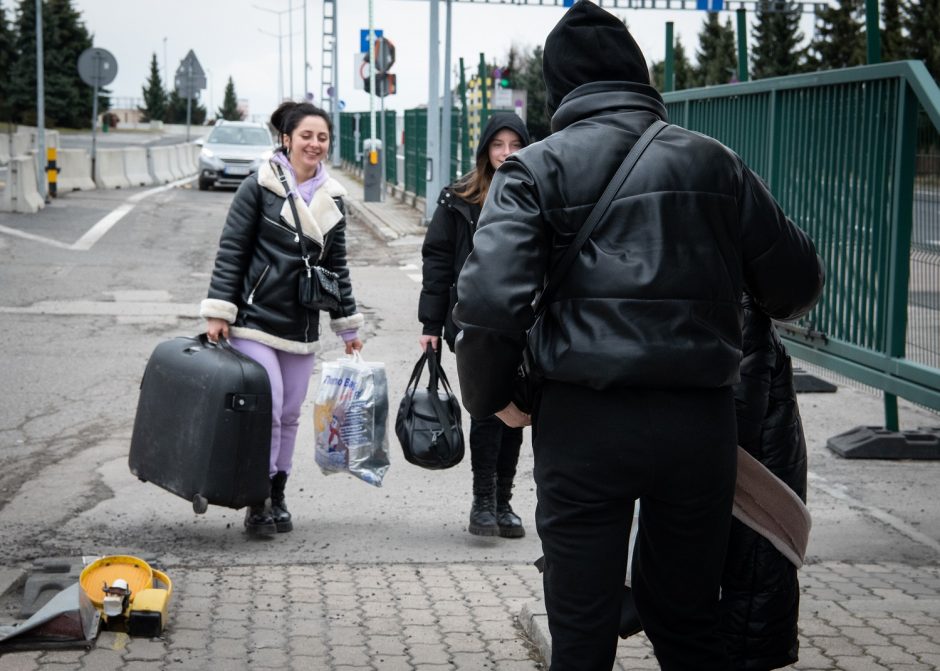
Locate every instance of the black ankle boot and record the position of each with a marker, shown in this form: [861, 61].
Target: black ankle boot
[282, 517]
[483, 516]
[258, 521]
[510, 524]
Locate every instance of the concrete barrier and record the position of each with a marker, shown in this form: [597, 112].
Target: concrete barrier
[186, 159]
[20, 144]
[135, 166]
[175, 168]
[158, 161]
[109, 169]
[74, 170]
[21, 193]
[4, 148]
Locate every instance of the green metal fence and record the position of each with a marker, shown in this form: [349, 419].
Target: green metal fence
[416, 133]
[852, 157]
[355, 127]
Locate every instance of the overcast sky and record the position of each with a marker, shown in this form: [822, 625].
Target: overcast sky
[239, 38]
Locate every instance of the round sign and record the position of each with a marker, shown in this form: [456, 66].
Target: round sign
[97, 67]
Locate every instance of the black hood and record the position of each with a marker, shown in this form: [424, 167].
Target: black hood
[588, 45]
[496, 123]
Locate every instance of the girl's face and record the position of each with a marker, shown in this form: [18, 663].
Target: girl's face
[504, 143]
[308, 144]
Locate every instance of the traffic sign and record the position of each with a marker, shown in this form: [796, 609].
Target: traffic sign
[364, 39]
[190, 77]
[384, 55]
[97, 67]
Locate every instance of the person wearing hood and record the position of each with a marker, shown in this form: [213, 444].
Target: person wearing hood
[494, 447]
[637, 348]
[253, 296]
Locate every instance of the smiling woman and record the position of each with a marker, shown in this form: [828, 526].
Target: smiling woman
[290, 206]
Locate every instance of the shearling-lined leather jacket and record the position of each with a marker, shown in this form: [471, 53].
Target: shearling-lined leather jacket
[254, 284]
[447, 243]
[653, 299]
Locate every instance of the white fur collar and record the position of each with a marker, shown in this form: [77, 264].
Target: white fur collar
[322, 214]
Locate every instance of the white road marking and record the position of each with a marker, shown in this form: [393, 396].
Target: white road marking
[103, 225]
[837, 491]
[34, 238]
[416, 277]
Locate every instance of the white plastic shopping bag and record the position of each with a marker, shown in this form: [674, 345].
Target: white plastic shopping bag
[350, 419]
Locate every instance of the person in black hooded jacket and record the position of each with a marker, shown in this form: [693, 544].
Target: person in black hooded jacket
[638, 348]
[494, 447]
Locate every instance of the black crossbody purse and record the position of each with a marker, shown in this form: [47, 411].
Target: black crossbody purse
[318, 288]
[527, 382]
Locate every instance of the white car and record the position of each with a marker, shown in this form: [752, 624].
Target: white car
[232, 151]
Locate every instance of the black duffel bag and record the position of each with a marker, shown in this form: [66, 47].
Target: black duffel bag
[428, 423]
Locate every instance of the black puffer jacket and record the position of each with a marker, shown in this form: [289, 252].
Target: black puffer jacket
[653, 299]
[760, 592]
[254, 284]
[447, 243]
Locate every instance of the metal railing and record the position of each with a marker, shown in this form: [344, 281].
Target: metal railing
[853, 156]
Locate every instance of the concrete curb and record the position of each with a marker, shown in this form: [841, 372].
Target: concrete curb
[534, 621]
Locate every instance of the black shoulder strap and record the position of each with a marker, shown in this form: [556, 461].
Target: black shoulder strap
[600, 209]
[293, 208]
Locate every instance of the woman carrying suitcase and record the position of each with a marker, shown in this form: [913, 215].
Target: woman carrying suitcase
[494, 447]
[253, 295]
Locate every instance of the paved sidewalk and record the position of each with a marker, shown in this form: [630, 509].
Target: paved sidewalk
[465, 616]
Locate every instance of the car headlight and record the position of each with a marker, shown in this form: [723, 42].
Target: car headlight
[206, 153]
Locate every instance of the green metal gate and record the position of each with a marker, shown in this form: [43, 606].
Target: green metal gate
[839, 150]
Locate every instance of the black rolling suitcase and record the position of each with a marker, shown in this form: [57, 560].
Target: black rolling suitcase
[203, 424]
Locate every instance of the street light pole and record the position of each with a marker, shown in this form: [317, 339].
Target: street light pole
[40, 106]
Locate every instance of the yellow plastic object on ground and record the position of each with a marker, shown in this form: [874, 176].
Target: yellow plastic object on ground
[106, 570]
[149, 589]
[148, 611]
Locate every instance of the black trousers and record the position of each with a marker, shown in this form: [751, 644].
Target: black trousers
[596, 453]
[494, 450]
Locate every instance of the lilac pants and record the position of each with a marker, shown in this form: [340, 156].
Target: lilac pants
[290, 376]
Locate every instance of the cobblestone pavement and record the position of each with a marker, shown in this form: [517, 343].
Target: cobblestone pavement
[466, 617]
[470, 616]
[861, 617]
[325, 617]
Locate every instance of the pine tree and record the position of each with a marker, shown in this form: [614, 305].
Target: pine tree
[229, 109]
[716, 55]
[922, 21]
[682, 70]
[893, 46]
[154, 96]
[529, 77]
[7, 56]
[777, 41]
[68, 99]
[840, 36]
[176, 110]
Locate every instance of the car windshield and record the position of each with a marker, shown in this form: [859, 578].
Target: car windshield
[236, 135]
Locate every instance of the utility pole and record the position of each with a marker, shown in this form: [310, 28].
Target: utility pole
[306, 64]
[433, 172]
[41, 106]
[448, 105]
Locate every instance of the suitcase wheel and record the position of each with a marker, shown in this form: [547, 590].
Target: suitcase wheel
[200, 504]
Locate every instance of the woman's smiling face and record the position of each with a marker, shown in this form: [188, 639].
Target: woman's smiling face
[308, 144]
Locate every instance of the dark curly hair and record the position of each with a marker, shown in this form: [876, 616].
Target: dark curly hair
[288, 116]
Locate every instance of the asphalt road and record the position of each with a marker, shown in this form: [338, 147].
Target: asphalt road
[83, 305]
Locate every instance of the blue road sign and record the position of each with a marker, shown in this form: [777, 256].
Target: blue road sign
[364, 39]
[568, 3]
[711, 5]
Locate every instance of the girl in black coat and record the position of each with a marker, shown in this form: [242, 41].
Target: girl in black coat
[494, 447]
